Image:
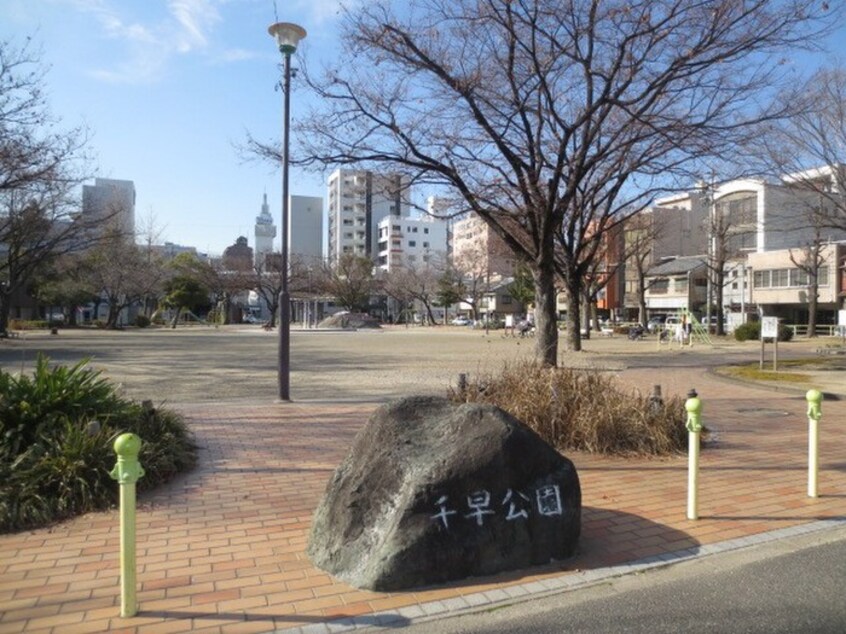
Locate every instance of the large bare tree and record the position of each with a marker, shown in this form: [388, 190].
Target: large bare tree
[41, 166]
[551, 118]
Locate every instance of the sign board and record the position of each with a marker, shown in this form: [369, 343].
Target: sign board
[841, 317]
[769, 328]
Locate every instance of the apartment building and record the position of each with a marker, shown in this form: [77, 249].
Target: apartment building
[358, 201]
[411, 242]
[479, 252]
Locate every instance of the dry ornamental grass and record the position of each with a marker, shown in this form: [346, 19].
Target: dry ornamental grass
[582, 410]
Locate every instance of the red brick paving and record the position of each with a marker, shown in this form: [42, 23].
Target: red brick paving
[222, 549]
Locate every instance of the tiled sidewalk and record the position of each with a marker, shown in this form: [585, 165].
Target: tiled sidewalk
[222, 549]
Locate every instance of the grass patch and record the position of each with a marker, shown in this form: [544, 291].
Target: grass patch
[55, 459]
[754, 373]
[585, 411]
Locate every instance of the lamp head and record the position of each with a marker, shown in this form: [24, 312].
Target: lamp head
[287, 36]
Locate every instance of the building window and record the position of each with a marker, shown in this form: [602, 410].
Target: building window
[822, 276]
[396, 243]
[412, 243]
[798, 277]
[761, 279]
[781, 278]
[425, 229]
[506, 300]
[660, 286]
[425, 245]
[680, 284]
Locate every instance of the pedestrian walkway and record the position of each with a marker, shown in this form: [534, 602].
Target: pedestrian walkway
[222, 549]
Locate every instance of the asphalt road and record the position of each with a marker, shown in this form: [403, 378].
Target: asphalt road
[790, 586]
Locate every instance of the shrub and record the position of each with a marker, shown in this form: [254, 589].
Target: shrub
[54, 465]
[27, 324]
[751, 330]
[582, 410]
[142, 321]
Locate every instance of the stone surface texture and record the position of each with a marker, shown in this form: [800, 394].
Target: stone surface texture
[433, 491]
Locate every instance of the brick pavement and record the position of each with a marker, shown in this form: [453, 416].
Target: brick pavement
[222, 549]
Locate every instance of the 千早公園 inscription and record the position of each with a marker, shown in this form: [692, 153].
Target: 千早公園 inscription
[514, 505]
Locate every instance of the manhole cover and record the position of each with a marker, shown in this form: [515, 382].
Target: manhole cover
[766, 413]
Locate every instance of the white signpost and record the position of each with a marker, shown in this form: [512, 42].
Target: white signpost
[769, 330]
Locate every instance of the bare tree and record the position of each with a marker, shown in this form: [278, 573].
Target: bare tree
[731, 225]
[551, 118]
[418, 282]
[640, 237]
[40, 167]
[119, 272]
[809, 259]
[350, 281]
[808, 150]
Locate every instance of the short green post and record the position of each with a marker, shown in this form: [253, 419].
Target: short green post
[126, 472]
[814, 398]
[694, 425]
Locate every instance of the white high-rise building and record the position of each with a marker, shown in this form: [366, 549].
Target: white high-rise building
[305, 223]
[113, 201]
[358, 201]
[265, 233]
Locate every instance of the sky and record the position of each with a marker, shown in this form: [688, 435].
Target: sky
[169, 89]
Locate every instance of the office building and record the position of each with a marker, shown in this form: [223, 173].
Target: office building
[112, 201]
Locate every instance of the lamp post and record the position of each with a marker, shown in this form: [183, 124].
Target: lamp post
[287, 36]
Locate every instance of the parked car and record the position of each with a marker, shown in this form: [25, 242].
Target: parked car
[461, 321]
[655, 322]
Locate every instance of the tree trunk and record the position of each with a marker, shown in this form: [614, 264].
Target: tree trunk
[176, 318]
[585, 317]
[641, 299]
[432, 320]
[4, 314]
[574, 322]
[813, 296]
[718, 300]
[546, 322]
[111, 320]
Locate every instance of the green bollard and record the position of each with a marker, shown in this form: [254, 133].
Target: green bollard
[126, 472]
[814, 398]
[694, 425]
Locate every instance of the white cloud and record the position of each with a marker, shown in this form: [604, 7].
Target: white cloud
[186, 27]
[194, 20]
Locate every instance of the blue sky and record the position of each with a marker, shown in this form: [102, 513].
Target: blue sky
[169, 87]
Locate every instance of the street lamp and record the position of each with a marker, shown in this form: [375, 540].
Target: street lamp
[287, 37]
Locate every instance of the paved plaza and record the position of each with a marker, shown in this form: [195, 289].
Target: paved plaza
[222, 549]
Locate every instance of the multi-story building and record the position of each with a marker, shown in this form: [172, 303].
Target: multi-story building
[265, 232]
[727, 223]
[479, 252]
[411, 242]
[305, 223]
[358, 201]
[112, 201]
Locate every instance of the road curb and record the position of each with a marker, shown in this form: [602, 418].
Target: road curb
[511, 595]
